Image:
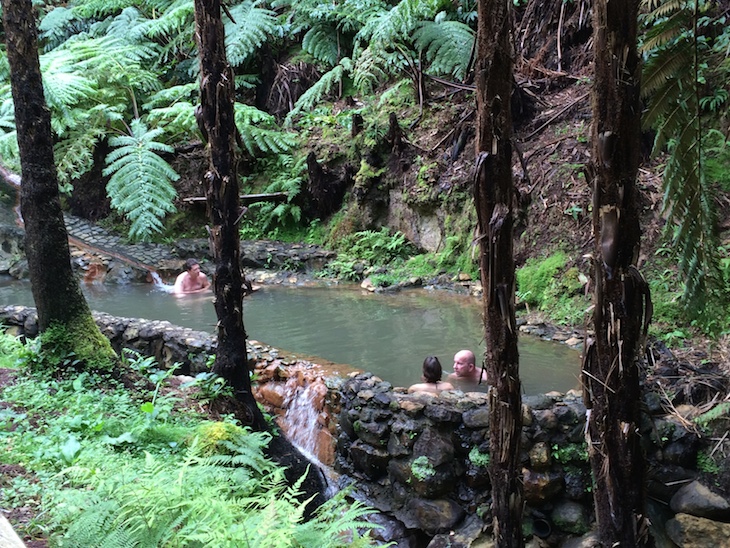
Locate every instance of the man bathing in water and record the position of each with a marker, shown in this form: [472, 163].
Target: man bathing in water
[465, 367]
[192, 280]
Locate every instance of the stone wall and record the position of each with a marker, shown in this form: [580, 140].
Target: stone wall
[422, 459]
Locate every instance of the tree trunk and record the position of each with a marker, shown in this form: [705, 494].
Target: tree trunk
[231, 360]
[217, 117]
[494, 191]
[58, 298]
[621, 296]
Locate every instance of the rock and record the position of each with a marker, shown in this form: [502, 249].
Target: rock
[589, 540]
[467, 535]
[369, 460]
[435, 446]
[571, 517]
[541, 486]
[696, 532]
[540, 456]
[697, 500]
[434, 516]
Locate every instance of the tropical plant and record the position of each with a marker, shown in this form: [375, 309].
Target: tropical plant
[684, 82]
[141, 181]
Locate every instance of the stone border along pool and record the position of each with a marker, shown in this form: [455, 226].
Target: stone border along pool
[421, 460]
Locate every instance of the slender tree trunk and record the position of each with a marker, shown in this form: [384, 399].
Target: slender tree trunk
[56, 292]
[621, 297]
[494, 191]
[222, 189]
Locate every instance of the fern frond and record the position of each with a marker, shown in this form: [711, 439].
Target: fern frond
[253, 27]
[323, 88]
[74, 155]
[259, 131]
[173, 27]
[178, 119]
[664, 69]
[140, 185]
[59, 25]
[101, 8]
[448, 46]
[397, 24]
[369, 71]
[321, 43]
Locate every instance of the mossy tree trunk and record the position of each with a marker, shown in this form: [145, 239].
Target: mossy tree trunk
[58, 298]
[222, 189]
[494, 192]
[622, 307]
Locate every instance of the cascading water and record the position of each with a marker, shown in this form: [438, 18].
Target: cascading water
[157, 281]
[301, 421]
[304, 425]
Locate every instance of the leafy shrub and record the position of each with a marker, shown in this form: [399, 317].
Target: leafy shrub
[368, 248]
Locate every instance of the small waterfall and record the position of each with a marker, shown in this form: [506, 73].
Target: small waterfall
[157, 281]
[302, 421]
[304, 424]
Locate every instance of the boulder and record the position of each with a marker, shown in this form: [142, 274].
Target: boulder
[695, 532]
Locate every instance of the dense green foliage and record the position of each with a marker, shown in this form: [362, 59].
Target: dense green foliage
[106, 465]
[686, 44]
[126, 71]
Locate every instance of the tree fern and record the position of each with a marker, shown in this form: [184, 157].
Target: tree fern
[321, 42]
[448, 46]
[140, 186]
[173, 28]
[323, 88]
[74, 155]
[260, 133]
[101, 8]
[251, 27]
[58, 25]
[678, 43]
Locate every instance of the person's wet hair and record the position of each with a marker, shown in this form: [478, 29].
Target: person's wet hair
[432, 369]
[190, 263]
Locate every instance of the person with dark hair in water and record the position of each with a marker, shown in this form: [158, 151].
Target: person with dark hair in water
[192, 280]
[432, 372]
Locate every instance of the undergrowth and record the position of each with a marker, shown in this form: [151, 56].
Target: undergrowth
[103, 465]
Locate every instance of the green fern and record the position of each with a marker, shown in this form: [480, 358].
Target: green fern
[201, 502]
[448, 46]
[323, 88]
[140, 184]
[260, 133]
[321, 42]
[678, 43]
[252, 28]
[101, 8]
[292, 176]
[58, 25]
[173, 27]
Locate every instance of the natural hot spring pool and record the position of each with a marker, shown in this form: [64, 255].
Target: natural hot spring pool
[387, 334]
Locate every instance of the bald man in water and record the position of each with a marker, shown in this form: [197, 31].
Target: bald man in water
[465, 367]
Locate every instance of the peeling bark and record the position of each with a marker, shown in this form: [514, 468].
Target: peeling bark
[216, 116]
[622, 306]
[494, 192]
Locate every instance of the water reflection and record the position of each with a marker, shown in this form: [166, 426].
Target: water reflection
[388, 335]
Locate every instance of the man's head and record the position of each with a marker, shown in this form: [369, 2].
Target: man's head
[192, 267]
[464, 363]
